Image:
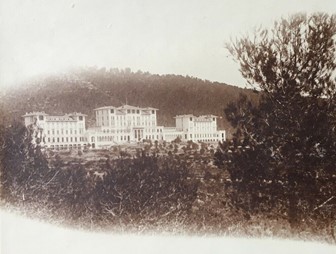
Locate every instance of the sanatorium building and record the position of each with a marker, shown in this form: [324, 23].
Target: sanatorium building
[119, 125]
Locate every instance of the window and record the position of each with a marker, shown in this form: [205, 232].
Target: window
[138, 111]
[75, 139]
[153, 111]
[58, 140]
[40, 117]
[190, 118]
[128, 111]
[112, 111]
[80, 118]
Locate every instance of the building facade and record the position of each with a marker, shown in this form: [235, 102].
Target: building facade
[125, 124]
[199, 128]
[59, 132]
[120, 125]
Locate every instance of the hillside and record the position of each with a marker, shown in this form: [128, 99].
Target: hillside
[82, 90]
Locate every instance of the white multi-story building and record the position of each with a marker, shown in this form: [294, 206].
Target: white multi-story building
[199, 129]
[125, 124]
[118, 125]
[59, 132]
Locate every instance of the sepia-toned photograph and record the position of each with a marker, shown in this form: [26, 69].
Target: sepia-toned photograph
[151, 126]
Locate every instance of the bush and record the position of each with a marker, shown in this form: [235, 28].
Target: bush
[146, 188]
[177, 140]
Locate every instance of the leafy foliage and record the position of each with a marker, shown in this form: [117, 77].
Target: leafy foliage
[178, 193]
[22, 162]
[283, 154]
[138, 189]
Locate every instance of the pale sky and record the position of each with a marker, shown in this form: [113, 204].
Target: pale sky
[160, 36]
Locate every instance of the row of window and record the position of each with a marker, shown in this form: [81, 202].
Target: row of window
[152, 137]
[66, 132]
[125, 123]
[67, 124]
[130, 123]
[123, 117]
[204, 135]
[204, 124]
[171, 136]
[203, 120]
[203, 129]
[128, 130]
[129, 111]
[66, 147]
[66, 139]
[111, 138]
[117, 131]
[207, 140]
[121, 138]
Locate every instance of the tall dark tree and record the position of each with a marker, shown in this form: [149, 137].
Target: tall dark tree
[22, 162]
[283, 154]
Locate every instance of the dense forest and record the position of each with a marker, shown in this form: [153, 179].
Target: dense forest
[84, 89]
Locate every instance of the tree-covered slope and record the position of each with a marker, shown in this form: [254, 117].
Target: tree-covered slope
[83, 90]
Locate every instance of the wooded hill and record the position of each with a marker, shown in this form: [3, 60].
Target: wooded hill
[82, 90]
